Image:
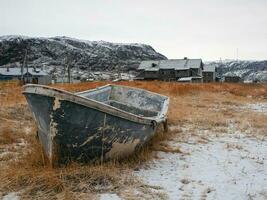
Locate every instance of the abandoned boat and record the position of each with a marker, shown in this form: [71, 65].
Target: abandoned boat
[99, 124]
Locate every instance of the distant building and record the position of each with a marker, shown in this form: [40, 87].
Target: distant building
[30, 75]
[172, 69]
[232, 78]
[209, 73]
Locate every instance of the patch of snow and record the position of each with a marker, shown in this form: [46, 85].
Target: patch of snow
[11, 196]
[109, 196]
[237, 72]
[229, 167]
[257, 107]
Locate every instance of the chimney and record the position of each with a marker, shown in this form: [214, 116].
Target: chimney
[185, 58]
[154, 64]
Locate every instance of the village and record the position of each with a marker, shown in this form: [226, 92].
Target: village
[184, 70]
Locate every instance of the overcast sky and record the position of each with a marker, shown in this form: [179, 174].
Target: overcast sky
[207, 29]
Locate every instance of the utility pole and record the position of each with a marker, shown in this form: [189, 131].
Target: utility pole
[220, 71]
[22, 67]
[119, 72]
[27, 74]
[67, 64]
[64, 71]
[237, 54]
[69, 76]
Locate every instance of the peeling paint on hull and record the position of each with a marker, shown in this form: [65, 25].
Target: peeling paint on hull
[71, 130]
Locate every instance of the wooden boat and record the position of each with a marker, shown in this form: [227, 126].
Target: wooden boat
[99, 124]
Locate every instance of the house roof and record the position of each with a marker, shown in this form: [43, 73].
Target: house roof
[177, 64]
[148, 64]
[16, 71]
[152, 69]
[173, 64]
[194, 63]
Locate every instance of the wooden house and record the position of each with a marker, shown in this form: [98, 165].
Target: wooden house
[27, 75]
[170, 70]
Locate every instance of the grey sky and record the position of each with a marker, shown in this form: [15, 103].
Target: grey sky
[207, 29]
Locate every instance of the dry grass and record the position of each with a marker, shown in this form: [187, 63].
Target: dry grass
[178, 89]
[10, 92]
[197, 106]
[158, 142]
[34, 178]
[7, 136]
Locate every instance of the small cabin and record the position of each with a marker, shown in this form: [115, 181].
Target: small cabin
[209, 74]
[232, 79]
[27, 75]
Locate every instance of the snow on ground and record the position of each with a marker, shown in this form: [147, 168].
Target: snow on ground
[11, 196]
[233, 166]
[109, 196]
[257, 107]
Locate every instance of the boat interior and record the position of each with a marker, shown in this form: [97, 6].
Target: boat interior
[135, 101]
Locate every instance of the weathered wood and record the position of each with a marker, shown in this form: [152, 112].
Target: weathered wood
[165, 126]
[100, 124]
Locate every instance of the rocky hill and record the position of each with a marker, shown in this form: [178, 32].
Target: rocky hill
[247, 70]
[59, 51]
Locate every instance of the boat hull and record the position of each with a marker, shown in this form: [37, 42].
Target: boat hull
[70, 131]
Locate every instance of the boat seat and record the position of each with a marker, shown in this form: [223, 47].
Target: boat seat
[132, 109]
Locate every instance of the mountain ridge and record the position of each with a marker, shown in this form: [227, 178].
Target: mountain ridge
[62, 50]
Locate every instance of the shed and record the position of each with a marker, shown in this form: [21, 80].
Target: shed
[231, 77]
[209, 73]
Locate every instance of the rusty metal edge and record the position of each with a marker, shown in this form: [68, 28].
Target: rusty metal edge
[62, 94]
[162, 115]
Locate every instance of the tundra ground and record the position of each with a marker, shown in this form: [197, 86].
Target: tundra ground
[216, 148]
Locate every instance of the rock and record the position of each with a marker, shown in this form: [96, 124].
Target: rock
[185, 181]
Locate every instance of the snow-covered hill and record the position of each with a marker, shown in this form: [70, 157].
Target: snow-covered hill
[247, 70]
[58, 51]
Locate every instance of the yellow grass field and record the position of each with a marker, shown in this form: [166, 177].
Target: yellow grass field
[210, 107]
